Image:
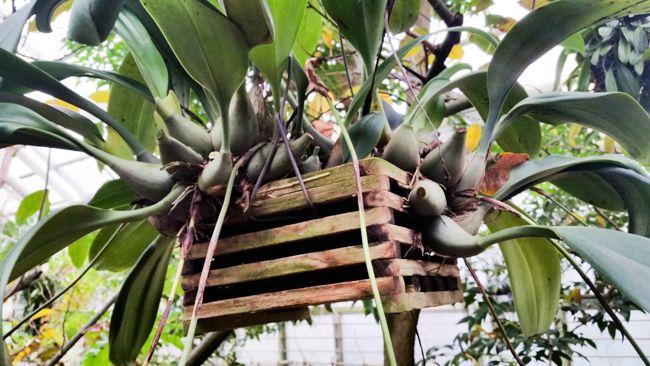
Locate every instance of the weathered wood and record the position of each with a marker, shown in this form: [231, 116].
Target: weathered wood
[402, 302]
[377, 166]
[325, 294]
[409, 267]
[291, 265]
[383, 198]
[402, 234]
[311, 229]
[327, 194]
[238, 320]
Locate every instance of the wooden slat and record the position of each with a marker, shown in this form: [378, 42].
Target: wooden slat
[384, 198]
[401, 234]
[377, 166]
[409, 267]
[290, 233]
[331, 193]
[325, 294]
[311, 180]
[291, 265]
[249, 319]
[401, 302]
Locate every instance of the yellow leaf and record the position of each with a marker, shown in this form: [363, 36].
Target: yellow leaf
[456, 52]
[575, 295]
[601, 221]
[63, 104]
[573, 134]
[533, 4]
[608, 145]
[100, 96]
[42, 313]
[473, 137]
[385, 97]
[326, 35]
[318, 105]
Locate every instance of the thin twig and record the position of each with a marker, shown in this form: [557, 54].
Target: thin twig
[47, 181]
[68, 346]
[493, 311]
[345, 65]
[558, 204]
[609, 221]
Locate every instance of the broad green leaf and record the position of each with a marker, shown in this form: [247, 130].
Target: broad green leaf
[299, 78]
[591, 188]
[575, 43]
[601, 111]
[625, 176]
[365, 134]
[28, 75]
[272, 58]
[253, 17]
[136, 114]
[78, 251]
[91, 21]
[112, 194]
[137, 303]
[150, 63]
[11, 27]
[61, 71]
[61, 117]
[533, 266]
[126, 242]
[362, 24]
[308, 35]
[59, 229]
[21, 126]
[31, 205]
[622, 259]
[210, 47]
[404, 15]
[525, 43]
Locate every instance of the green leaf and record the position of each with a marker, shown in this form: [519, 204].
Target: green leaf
[272, 58]
[11, 27]
[126, 242]
[404, 15]
[112, 194]
[61, 71]
[78, 251]
[210, 47]
[365, 134]
[253, 18]
[308, 35]
[524, 43]
[62, 117]
[136, 114]
[575, 43]
[150, 63]
[622, 259]
[91, 21]
[31, 204]
[624, 175]
[28, 75]
[591, 188]
[362, 24]
[137, 303]
[534, 271]
[24, 127]
[59, 229]
[601, 111]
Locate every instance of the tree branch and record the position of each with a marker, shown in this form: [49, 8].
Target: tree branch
[23, 282]
[442, 51]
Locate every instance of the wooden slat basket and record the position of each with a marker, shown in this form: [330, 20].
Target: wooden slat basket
[281, 257]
